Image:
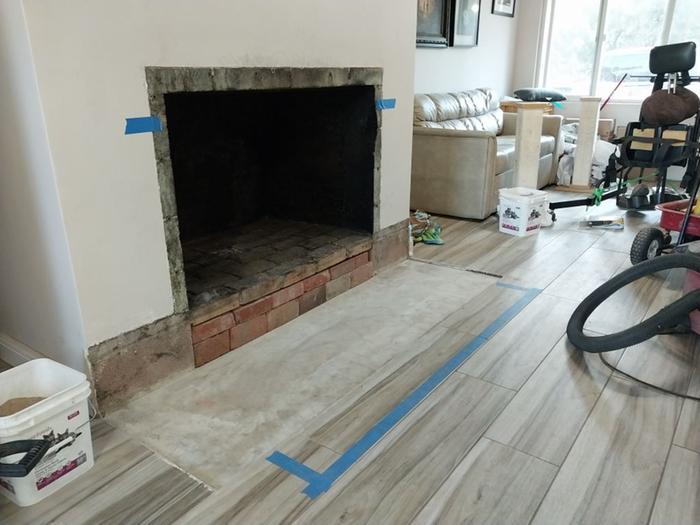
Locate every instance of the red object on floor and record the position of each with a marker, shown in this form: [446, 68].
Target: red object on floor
[692, 282]
[672, 214]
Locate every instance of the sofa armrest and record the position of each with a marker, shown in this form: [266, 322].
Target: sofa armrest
[453, 172]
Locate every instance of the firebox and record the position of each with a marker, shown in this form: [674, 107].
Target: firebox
[264, 174]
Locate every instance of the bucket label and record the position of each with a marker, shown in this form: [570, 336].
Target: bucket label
[73, 415]
[519, 217]
[7, 485]
[46, 476]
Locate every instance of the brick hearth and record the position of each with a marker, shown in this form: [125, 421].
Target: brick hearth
[228, 330]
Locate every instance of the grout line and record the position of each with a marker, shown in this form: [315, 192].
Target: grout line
[686, 448]
[672, 443]
[325, 446]
[663, 471]
[454, 467]
[542, 360]
[482, 379]
[573, 444]
[455, 267]
[523, 452]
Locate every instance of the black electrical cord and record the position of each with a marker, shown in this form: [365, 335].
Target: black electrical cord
[663, 321]
[650, 385]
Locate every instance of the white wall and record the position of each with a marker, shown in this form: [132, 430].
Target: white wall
[90, 58]
[490, 64]
[38, 299]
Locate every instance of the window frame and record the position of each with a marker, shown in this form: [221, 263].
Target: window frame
[545, 42]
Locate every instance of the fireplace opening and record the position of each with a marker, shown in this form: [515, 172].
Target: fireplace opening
[270, 184]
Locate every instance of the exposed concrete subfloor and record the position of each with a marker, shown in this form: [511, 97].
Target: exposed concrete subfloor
[225, 416]
[527, 430]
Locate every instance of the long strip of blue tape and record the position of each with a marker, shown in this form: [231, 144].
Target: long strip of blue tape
[320, 482]
[386, 103]
[143, 125]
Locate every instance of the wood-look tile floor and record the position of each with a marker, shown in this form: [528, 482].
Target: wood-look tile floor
[128, 485]
[528, 430]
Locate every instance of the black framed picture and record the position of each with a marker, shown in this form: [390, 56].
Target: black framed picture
[433, 23]
[464, 30]
[503, 8]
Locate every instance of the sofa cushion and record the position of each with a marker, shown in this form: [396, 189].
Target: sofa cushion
[475, 110]
[505, 150]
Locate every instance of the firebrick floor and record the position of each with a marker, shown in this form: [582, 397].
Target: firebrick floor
[224, 264]
[526, 430]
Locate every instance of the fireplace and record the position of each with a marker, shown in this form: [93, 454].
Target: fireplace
[269, 183]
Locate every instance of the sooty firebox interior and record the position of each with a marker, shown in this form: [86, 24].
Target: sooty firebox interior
[269, 179]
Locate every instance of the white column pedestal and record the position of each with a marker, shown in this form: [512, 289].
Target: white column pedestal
[585, 143]
[527, 143]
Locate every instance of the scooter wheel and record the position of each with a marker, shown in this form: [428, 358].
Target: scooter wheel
[647, 244]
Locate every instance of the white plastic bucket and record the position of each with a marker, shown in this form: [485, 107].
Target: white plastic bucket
[65, 410]
[520, 210]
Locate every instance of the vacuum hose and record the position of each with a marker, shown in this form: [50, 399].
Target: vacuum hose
[665, 319]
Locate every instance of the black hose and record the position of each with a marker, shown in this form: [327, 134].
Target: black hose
[668, 317]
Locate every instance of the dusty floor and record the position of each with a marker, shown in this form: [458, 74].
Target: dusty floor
[526, 430]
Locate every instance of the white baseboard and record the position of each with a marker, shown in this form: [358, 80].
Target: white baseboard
[15, 353]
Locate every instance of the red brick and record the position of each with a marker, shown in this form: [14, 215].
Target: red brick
[361, 274]
[317, 280]
[361, 259]
[341, 269]
[211, 348]
[337, 286]
[249, 311]
[209, 328]
[287, 294]
[246, 332]
[282, 314]
[312, 299]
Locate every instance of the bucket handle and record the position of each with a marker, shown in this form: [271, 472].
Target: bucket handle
[35, 450]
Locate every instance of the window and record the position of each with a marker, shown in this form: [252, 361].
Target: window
[593, 43]
[686, 26]
[632, 28]
[572, 46]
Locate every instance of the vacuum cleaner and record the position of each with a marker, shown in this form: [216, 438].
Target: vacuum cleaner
[658, 140]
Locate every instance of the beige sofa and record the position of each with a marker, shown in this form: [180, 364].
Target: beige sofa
[464, 151]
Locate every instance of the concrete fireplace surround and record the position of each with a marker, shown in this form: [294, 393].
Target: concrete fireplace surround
[138, 359]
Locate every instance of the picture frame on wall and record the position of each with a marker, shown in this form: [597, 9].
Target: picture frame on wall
[433, 26]
[503, 8]
[464, 26]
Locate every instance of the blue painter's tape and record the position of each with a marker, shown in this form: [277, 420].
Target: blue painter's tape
[292, 466]
[386, 103]
[508, 315]
[150, 124]
[513, 287]
[320, 482]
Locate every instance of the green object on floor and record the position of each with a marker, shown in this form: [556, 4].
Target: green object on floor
[432, 235]
[598, 195]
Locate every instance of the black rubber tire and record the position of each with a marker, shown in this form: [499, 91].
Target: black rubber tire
[639, 252]
[666, 318]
